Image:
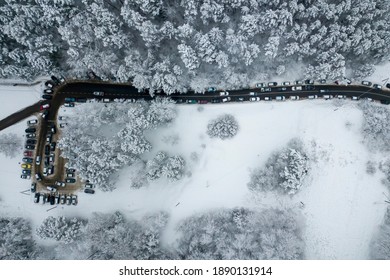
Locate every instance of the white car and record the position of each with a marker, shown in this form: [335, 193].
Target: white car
[32, 122]
[312, 97]
[254, 99]
[38, 160]
[296, 88]
[327, 96]
[51, 189]
[355, 98]
[224, 93]
[252, 93]
[267, 98]
[286, 83]
[294, 97]
[60, 184]
[226, 99]
[341, 96]
[106, 100]
[280, 98]
[98, 93]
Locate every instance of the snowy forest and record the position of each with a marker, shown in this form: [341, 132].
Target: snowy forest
[175, 45]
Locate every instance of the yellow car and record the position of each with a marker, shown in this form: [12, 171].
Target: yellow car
[26, 166]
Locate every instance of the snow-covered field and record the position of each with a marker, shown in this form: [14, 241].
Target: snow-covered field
[16, 98]
[342, 204]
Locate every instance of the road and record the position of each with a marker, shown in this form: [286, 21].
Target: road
[85, 89]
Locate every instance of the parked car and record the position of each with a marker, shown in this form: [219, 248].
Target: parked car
[106, 100]
[52, 199]
[27, 160]
[239, 99]
[309, 82]
[224, 93]
[70, 180]
[47, 150]
[47, 96]
[90, 191]
[323, 81]
[26, 166]
[55, 79]
[48, 91]
[51, 158]
[280, 98]
[191, 101]
[53, 146]
[341, 96]
[69, 104]
[57, 198]
[202, 102]
[254, 99]
[260, 85]
[355, 98]
[74, 199]
[31, 122]
[366, 83]
[388, 85]
[68, 199]
[294, 97]
[226, 99]
[31, 135]
[62, 118]
[282, 89]
[211, 89]
[377, 86]
[70, 99]
[36, 197]
[272, 84]
[88, 186]
[252, 93]
[298, 82]
[309, 87]
[60, 184]
[312, 97]
[30, 130]
[327, 96]
[70, 170]
[51, 189]
[286, 83]
[62, 199]
[44, 106]
[70, 175]
[25, 176]
[268, 98]
[48, 138]
[27, 153]
[31, 141]
[98, 93]
[26, 171]
[38, 177]
[49, 84]
[81, 100]
[30, 147]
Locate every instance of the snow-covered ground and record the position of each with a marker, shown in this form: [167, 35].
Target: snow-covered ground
[15, 98]
[381, 75]
[343, 205]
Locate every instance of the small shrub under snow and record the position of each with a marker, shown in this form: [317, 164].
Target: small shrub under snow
[223, 127]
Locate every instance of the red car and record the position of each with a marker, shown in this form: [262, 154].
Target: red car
[28, 153]
[45, 106]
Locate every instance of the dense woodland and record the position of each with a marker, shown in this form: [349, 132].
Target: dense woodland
[181, 44]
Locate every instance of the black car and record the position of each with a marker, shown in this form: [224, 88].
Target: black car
[36, 197]
[53, 146]
[27, 160]
[47, 150]
[70, 170]
[47, 161]
[55, 80]
[388, 85]
[30, 147]
[89, 191]
[30, 130]
[26, 171]
[309, 87]
[33, 187]
[24, 176]
[239, 99]
[49, 84]
[47, 96]
[31, 141]
[216, 100]
[81, 100]
[385, 102]
[45, 114]
[309, 82]
[70, 180]
[52, 200]
[179, 101]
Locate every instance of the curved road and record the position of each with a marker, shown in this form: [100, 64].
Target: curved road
[85, 89]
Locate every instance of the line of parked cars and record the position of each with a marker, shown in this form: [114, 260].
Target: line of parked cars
[28, 154]
[55, 198]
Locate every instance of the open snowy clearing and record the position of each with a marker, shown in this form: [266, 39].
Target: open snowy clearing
[343, 204]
